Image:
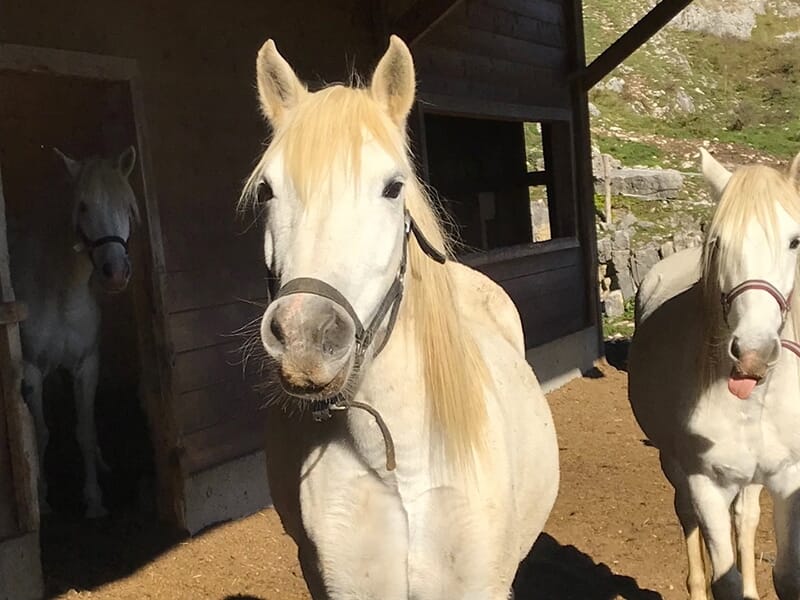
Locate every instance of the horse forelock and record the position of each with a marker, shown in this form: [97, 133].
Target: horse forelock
[325, 134]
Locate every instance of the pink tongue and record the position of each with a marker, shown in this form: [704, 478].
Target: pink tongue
[741, 388]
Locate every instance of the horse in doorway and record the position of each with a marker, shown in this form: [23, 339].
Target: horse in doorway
[714, 371]
[54, 268]
[434, 464]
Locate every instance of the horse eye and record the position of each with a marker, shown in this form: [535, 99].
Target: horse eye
[264, 192]
[794, 244]
[392, 190]
[82, 207]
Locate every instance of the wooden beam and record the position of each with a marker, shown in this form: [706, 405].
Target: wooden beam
[661, 14]
[423, 16]
[584, 182]
[12, 312]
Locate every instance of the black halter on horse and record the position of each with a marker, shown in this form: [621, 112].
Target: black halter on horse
[86, 243]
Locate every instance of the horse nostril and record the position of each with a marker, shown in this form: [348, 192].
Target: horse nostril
[736, 352]
[334, 335]
[277, 331]
[108, 270]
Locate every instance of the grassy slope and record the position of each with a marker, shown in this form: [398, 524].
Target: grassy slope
[746, 92]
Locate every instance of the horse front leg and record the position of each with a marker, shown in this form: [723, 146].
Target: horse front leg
[712, 505]
[786, 572]
[85, 378]
[32, 393]
[696, 578]
[747, 512]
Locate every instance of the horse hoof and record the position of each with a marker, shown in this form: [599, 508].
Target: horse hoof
[96, 512]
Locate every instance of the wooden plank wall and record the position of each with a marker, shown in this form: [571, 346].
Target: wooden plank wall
[496, 51]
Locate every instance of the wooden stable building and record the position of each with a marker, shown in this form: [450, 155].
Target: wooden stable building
[176, 80]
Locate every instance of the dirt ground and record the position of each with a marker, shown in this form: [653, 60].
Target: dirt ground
[612, 534]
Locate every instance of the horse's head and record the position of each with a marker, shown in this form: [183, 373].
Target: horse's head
[751, 261]
[332, 185]
[104, 207]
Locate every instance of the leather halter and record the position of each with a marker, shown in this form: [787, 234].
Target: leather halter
[755, 284]
[765, 286]
[86, 243]
[389, 305]
[321, 410]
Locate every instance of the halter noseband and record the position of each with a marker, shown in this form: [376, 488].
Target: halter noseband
[755, 284]
[389, 305]
[765, 286]
[321, 410]
[90, 244]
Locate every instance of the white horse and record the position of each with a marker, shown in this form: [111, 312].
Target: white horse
[52, 269]
[436, 465]
[714, 386]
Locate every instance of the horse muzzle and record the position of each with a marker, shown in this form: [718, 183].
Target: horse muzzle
[114, 275]
[312, 339]
[750, 366]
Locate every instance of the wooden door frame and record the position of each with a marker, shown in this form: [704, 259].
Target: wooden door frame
[154, 343]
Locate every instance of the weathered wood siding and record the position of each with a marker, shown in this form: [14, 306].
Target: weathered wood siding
[488, 53]
[499, 63]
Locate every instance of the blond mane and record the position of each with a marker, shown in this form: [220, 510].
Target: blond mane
[454, 370]
[751, 195]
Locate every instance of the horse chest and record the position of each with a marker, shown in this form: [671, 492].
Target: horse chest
[747, 441]
[62, 332]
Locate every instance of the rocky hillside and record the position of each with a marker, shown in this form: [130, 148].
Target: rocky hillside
[725, 74]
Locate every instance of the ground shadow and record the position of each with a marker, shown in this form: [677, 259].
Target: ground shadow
[555, 572]
[617, 353]
[85, 554]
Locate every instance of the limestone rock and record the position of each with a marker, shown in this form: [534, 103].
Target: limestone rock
[614, 305]
[642, 261]
[650, 184]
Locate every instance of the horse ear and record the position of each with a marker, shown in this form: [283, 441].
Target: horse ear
[73, 166]
[279, 88]
[126, 161]
[716, 175]
[393, 83]
[794, 169]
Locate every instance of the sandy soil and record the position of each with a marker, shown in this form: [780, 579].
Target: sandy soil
[612, 534]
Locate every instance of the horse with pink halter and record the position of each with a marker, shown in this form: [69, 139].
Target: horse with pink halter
[714, 372]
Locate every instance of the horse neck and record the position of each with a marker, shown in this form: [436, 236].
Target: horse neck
[70, 270]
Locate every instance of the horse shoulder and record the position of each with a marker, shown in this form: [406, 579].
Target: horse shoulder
[484, 301]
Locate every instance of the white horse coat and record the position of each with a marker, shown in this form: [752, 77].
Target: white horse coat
[431, 528]
[51, 272]
[713, 445]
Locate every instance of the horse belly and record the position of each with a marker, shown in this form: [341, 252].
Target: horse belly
[662, 371]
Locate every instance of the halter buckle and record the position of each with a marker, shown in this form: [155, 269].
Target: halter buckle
[321, 410]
